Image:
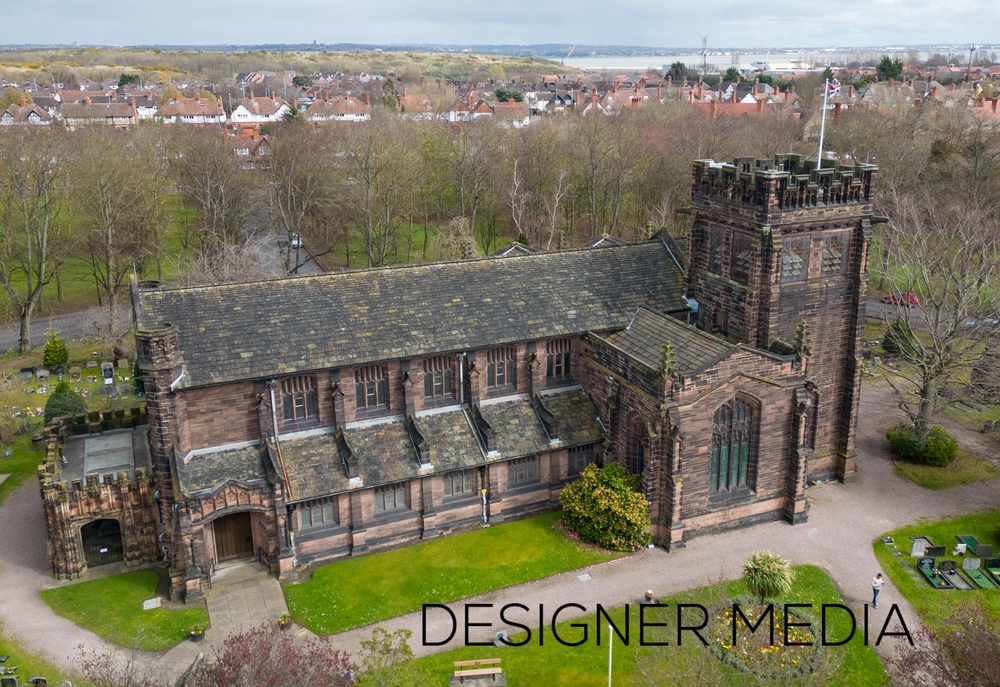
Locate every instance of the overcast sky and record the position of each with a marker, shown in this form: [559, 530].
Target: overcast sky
[666, 23]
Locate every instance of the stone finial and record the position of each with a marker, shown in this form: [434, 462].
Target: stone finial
[802, 343]
[667, 361]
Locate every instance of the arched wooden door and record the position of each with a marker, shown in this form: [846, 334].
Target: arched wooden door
[233, 536]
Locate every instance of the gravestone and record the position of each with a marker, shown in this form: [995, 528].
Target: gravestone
[150, 604]
[946, 566]
[91, 363]
[26, 373]
[935, 551]
[108, 372]
[74, 373]
[877, 361]
[984, 550]
[42, 374]
[8, 681]
[971, 563]
[122, 363]
[918, 547]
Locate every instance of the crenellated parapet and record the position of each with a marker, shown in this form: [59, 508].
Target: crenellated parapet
[761, 188]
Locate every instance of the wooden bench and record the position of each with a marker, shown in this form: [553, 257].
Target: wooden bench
[480, 662]
[481, 672]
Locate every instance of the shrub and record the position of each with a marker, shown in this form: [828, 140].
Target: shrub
[940, 448]
[64, 401]
[766, 575]
[904, 441]
[898, 339]
[55, 352]
[605, 507]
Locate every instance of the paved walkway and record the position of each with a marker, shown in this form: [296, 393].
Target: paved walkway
[242, 596]
[843, 521]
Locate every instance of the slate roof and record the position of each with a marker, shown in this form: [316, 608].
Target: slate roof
[694, 350]
[452, 443]
[206, 472]
[575, 416]
[314, 467]
[261, 329]
[518, 430]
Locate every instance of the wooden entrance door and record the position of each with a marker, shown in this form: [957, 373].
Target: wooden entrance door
[233, 537]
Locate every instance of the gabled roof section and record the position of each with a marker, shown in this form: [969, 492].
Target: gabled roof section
[515, 248]
[694, 350]
[205, 473]
[262, 329]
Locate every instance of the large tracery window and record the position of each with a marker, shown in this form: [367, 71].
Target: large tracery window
[298, 399]
[437, 377]
[500, 367]
[371, 390]
[732, 444]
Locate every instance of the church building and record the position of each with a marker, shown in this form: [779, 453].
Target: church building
[297, 420]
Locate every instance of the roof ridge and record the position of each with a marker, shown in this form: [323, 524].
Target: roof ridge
[406, 266]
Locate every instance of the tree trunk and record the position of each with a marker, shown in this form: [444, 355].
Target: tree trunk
[59, 291]
[26, 328]
[925, 414]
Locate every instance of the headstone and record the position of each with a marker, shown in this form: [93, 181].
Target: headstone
[26, 373]
[988, 426]
[42, 374]
[60, 370]
[123, 388]
[946, 566]
[984, 550]
[897, 554]
[935, 551]
[877, 361]
[91, 363]
[971, 563]
[8, 681]
[918, 547]
[74, 373]
[38, 681]
[122, 363]
[149, 604]
[888, 540]
[108, 371]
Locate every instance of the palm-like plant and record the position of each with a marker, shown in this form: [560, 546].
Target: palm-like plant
[766, 575]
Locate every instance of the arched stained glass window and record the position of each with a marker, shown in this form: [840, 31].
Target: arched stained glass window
[732, 444]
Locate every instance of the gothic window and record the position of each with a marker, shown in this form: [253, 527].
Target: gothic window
[437, 377]
[835, 253]
[458, 483]
[318, 513]
[298, 399]
[580, 457]
[716, 243]
[795, 258]
[522, 470]
[371, 388]
[558, 358]
[390, 497]
[739, 266]
[732, 439]
[500, 367]
[636, 446]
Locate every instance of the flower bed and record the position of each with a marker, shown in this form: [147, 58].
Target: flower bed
[754, 653]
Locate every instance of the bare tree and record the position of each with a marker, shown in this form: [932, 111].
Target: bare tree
[30, 204]
[378, 169]
[212, 180]
[946, 251]
[300, 175]
[252, 259]
[474, 160]
[117, 195]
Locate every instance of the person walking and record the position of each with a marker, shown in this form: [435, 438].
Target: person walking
[876, 588]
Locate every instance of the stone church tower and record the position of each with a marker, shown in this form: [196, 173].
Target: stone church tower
[777, 243]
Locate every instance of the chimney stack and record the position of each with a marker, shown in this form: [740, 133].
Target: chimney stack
[993, 104]
[934, 93]
[22, 102]
[916, 103]
[836, 110]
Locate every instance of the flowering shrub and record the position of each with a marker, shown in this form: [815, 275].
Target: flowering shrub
[605, 507]
[754, 653]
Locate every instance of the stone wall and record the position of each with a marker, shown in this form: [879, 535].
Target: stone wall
[127, 498]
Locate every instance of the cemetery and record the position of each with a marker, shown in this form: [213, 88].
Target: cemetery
[948, 574]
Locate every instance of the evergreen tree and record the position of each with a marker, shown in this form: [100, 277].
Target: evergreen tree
[55, 352]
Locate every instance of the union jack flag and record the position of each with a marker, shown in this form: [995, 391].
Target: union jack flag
[834, 87]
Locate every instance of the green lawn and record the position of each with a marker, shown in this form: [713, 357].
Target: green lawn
[29, 665]
[560, 666]
[936, 606]
[964, 469]
[112, 608]
[21, 466]
[365, 590]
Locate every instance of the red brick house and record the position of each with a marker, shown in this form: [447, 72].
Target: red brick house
[300, 419]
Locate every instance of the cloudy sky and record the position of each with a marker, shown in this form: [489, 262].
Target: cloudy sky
[667, 23]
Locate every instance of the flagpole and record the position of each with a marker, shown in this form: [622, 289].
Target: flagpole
[611, 642]
[822, 123]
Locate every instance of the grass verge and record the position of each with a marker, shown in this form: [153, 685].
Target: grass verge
[364, 590]
[111, 607]
[936, 606]
[964, 469]
[561, 666]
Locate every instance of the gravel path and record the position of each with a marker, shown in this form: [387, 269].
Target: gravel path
[84, 324]
[843, 521]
